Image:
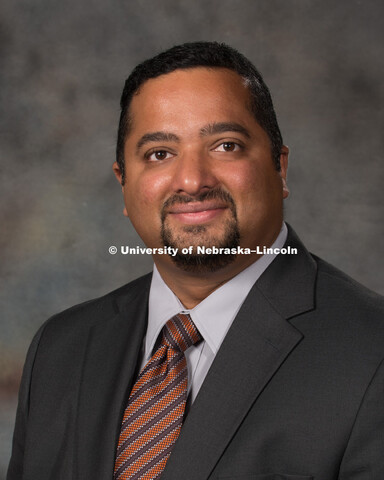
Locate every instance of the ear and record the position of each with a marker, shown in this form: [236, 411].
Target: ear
[119, 175]
[117, 171]
[284, 168]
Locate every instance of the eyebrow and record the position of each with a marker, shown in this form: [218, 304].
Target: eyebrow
[222, 127]
[157, 137]
[210, 129]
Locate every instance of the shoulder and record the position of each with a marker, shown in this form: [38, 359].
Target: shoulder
[340, 289]
[335, 307]
[87, 314]
[326, 284]
[350, 315]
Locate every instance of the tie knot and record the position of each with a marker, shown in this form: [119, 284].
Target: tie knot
[180, 332]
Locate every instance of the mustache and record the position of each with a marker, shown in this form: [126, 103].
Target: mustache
[214, 194]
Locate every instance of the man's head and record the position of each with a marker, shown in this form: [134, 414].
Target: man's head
[200, 156]
[202, 54]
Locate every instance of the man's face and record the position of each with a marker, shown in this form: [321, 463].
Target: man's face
[199, 168]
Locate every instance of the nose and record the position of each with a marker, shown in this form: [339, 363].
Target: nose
[193, 174]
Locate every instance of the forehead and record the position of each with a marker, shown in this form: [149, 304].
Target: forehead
[191, 93]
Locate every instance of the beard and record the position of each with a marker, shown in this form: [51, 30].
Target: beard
[198, 235]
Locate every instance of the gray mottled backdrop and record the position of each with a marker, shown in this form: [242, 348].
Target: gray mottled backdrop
[62, 69]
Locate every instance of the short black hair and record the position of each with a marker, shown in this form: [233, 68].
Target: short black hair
[202, 54]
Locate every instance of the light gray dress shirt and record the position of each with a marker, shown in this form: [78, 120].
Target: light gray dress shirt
[212, 317]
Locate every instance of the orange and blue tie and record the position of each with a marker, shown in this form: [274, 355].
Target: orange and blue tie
[155, 410]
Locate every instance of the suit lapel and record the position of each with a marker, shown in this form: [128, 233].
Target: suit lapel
[111, 360]
[258, 342]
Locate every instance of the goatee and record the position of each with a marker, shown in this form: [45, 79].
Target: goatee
[193, 235]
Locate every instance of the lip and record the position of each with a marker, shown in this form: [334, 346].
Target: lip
[194, 207]
[196, 212]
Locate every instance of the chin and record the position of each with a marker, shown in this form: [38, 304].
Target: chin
[202, 263]
[199, 235]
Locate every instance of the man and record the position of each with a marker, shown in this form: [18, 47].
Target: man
[232, 365]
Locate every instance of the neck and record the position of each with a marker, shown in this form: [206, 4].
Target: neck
[193, 287]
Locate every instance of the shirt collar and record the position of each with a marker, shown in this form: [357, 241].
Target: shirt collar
[215, 314]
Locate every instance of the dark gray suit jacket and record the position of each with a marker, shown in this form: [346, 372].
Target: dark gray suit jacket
[296, 391]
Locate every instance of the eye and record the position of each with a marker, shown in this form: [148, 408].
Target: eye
[158, 155]
[227, 147]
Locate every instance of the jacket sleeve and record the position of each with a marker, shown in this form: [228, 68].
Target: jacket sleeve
[364, 456]
[15, 469]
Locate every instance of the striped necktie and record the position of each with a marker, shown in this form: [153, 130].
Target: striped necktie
[154, 414]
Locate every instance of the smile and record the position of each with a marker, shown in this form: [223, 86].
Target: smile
[196, 212]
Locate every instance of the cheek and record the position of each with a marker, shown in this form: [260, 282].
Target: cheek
[245, 180]
[144, 193]
[255, 190]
